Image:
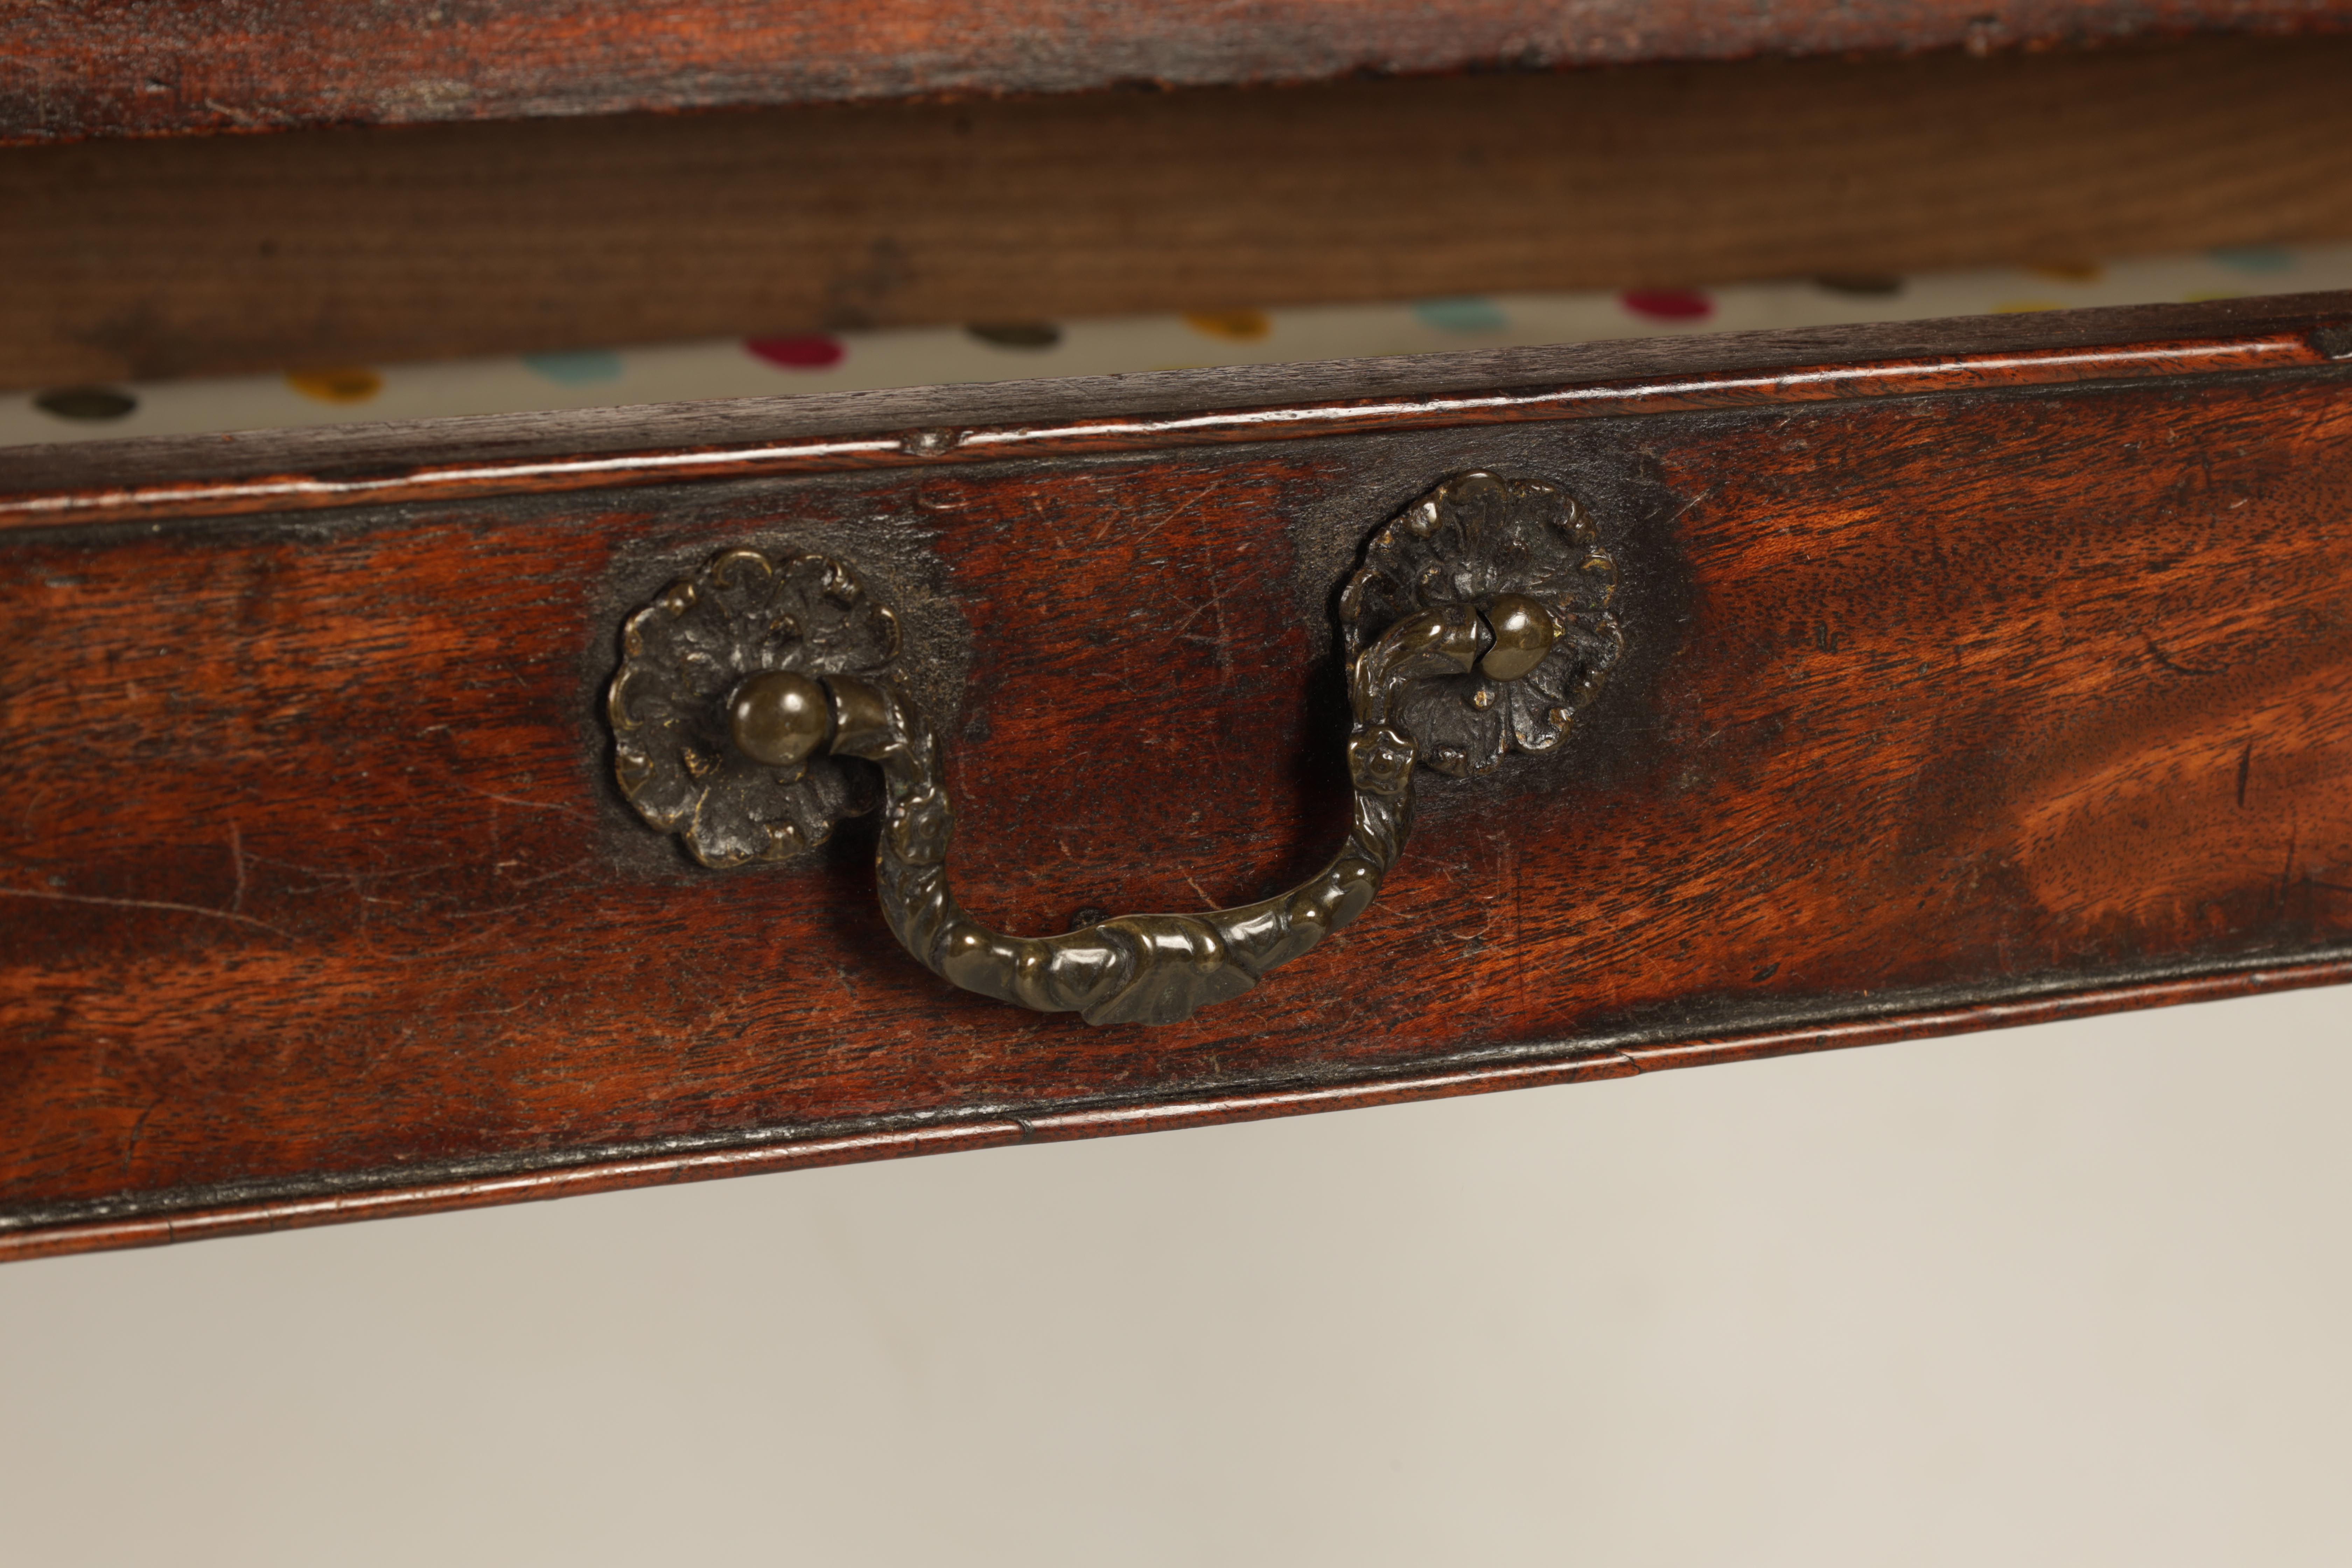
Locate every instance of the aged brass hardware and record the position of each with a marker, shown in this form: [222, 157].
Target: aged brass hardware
[1478, 625]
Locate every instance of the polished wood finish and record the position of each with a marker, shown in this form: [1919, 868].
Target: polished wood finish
[118, 68]
[260, 254]
[233, 1218]
[2007, 697]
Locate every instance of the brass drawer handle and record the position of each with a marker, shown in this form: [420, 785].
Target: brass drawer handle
[1478, 625]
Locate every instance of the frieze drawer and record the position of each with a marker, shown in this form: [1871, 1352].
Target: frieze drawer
[407, 816]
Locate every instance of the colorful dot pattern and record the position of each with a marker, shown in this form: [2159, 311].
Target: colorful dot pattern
[1234, 326]
[2256, 257]
[86, 403]
[812, 351]
[1012, 348]
[346, 384]
[1032, 336]
[1668, 304]
[579, 367]
[1464, 315]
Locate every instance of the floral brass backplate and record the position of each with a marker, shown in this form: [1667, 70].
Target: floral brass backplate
[758, 700]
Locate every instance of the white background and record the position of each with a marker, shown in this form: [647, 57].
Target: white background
[2070, 1295]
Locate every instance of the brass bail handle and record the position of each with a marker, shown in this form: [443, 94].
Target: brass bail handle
[1478, 625]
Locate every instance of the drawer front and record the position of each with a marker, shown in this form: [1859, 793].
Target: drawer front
[2011, 694]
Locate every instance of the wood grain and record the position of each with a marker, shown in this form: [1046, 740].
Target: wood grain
[1985, 704]
[119, 68]
[199, 1224]
[257, 254]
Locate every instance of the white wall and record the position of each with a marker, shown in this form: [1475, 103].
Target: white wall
[2078, 1294]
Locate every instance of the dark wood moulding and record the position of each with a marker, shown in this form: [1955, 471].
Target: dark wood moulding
[176, 66]
[1979, 672]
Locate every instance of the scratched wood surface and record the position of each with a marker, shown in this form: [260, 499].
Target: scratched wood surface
[1944, 710]
[116, 67]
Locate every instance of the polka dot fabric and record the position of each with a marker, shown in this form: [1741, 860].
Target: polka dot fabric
[814, 351]
[351, 383]
[581, 367]
[1681, 306]
[1011, 349]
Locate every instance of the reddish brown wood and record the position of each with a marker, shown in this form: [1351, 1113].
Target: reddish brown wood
[1996, 702]
[243, 1219]
[120, 68]
[982, 1134]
